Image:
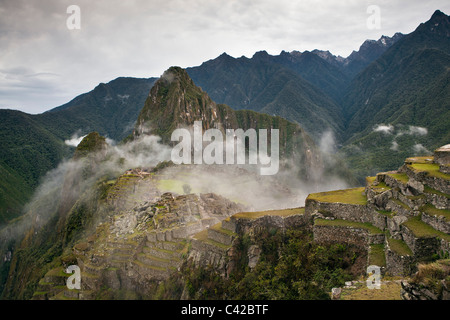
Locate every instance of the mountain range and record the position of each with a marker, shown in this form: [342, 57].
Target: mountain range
[384, 101]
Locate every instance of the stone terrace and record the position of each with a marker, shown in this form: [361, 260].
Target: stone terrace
[406, 211]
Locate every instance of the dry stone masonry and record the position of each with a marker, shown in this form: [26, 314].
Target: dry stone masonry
[406, 212]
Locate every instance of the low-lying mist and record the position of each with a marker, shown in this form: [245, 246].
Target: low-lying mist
[62, 186]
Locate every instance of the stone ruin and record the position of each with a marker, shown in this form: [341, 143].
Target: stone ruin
[404, 212]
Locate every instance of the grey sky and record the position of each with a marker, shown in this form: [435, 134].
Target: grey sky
[43, 64]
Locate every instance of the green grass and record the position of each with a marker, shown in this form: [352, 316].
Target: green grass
[389, 291]
[377, 256]
[370, 180]
[137, 262]
[426, 159]
[428, 189]
[348, 196]
[422, 230]
[344, 223]
[400, 247]
[387, 213]
[58, 272]
[431, 168]
[218, 227]
[203, 236]
[172, 185]
[400, 203]
[154, 258]
[402, 177]
[282, 213]
[433, 211]
[381, 187]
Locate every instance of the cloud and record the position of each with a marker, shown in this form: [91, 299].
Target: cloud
[327, 143]
[394, 146]
[110, 42]
[420, 149]
[413, 130]
[401, 131]
[74, 141]
[387, 129]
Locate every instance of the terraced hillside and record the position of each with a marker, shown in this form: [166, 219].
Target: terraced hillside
[136, 247]
[402, 217]
[398, 221]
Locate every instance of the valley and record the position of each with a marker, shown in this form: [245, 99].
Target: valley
[361, 179]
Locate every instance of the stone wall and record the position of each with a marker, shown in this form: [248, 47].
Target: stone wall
[420, 291]
[348, 235]
[350, 212]
[206, 254]
[437, 222]
[393, 225]
[434, 182]
[242, 225]
[439, 201]
[442, 155]
[422, 247]
[398, 265]
[444, 168]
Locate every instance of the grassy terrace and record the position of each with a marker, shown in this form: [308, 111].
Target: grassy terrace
[429, 190]
[370, 180]
[218, 227]
[400, 247]
[171, 185]
[422, 230]
[203, 236]
[433, 211]
[348, 196]
[143, 265]
[281, 213]
[377, 256]
[344, 223]
[381, 187]
[387, 213]
[431, 168]
[58, 272]
[400, 203]
[411, 160]
[402, 177]
[390, 290]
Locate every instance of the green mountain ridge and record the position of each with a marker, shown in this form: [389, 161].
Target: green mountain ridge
[265, 85]
[314, 89]
[126, 231]
[32, 145]
[406, 86]
[176, 102]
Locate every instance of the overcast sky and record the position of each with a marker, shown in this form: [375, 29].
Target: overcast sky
[44, 64]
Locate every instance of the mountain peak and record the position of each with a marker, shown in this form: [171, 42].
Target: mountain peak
[90, 144]
[438, 24]
[260, 55]
[173, 101]
[225, 55]
[438, 14]
[174, 73]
